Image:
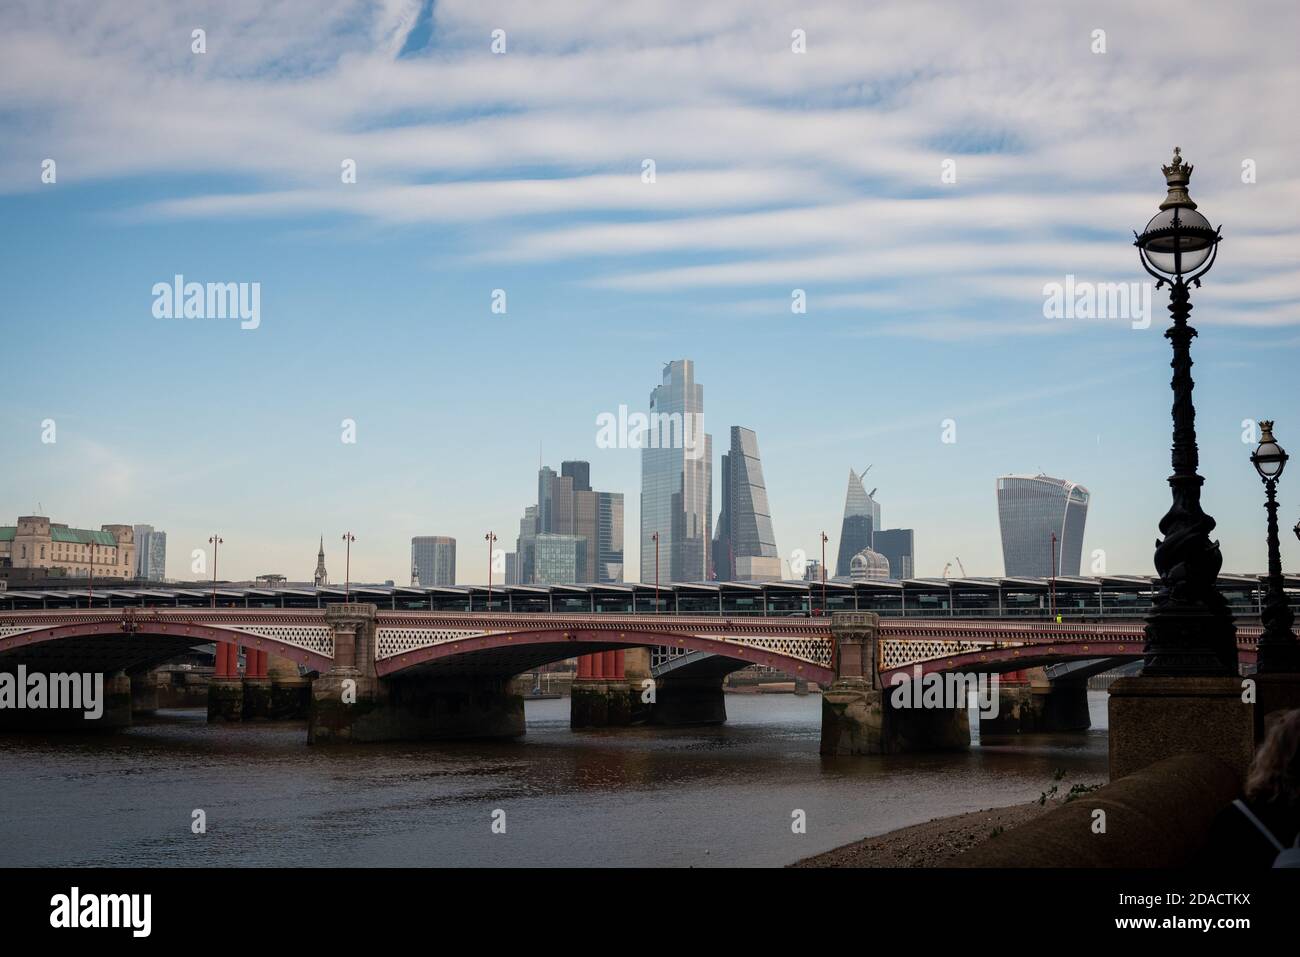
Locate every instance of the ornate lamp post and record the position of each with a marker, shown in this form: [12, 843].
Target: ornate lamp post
[1189, 630]
[655, 536]
[490, 538]
[824, 541]
[348, 539]
[215, 541]
[1278, 651]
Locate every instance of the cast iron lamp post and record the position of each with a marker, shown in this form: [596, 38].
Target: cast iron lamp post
[1189, 631]
[1278, 651]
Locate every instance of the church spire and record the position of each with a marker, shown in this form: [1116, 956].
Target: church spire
[322, 577]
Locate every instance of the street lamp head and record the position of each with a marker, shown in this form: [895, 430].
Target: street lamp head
[1270, 458]
[1178, 243]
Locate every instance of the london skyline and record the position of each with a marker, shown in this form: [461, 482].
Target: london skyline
[924, 299]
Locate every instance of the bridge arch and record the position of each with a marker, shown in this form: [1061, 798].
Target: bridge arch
[1016, 658]
[518, 650]
[144, 640]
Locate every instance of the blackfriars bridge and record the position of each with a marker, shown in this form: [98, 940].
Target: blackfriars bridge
[368, 674]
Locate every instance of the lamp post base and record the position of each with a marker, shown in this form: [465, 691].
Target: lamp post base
[1274, 693]
[1152, 718]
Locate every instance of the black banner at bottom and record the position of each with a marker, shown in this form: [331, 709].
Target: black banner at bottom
[353, 906]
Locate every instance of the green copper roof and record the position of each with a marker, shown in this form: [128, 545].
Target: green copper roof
[7, 532]
[81, 536]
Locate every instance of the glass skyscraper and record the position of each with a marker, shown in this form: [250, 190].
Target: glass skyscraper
[1031, 508]
[745, 546]
[896, 545]
[861, 519]
[609, 536]
[433, 559]
[150, 553]
[677, 480]
[569, 507]
[558, 558]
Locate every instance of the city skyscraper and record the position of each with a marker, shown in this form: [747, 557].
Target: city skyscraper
[677, 479]
[745, 546]
[433, 559]
[609, 536]
[150, 553]
[861, 519]
[1031, 508]
[897, 546]
[568, 507]
[559, 558]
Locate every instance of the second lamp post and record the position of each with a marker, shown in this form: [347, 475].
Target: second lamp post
[1278, 651]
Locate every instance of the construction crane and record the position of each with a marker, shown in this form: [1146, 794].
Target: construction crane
[959, 565]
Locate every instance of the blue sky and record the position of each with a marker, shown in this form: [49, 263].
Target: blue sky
[522, 171]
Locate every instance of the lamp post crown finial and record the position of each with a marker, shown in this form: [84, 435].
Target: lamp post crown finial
[1177, 175]
[1266, 430]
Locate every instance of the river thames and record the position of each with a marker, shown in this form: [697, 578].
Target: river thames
[637, 797]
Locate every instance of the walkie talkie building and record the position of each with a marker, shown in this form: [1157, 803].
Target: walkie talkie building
[1033, 508]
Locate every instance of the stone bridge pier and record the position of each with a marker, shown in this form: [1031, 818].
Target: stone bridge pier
[351, 703]
[858, 716]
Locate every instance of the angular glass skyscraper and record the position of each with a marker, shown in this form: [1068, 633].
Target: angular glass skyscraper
[861, 519]
[745, 546]
[1031, 508]
[677, 480]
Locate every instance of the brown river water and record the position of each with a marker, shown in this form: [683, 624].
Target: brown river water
[641, 797]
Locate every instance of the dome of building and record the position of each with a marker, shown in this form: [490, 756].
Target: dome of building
[868, 564]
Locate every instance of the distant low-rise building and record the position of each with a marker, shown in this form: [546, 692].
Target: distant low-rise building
[36, 542]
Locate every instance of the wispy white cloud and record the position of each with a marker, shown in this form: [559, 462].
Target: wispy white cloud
[772, 167]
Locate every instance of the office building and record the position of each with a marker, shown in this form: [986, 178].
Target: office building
[861, 519]
[36, 542]
[677, 479]
[896, 544]
[745, 546]
[150, 553]
[433, 559]
[1031, 510]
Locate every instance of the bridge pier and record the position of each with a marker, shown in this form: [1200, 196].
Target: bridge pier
[689, 700]
[115, 704]
[226, 688]
[599, 697]
[144, 692]
[1062, 706]
[858, 715]
[350, 703]
[290, 692]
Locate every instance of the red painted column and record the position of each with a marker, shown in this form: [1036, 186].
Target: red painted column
[618, 664]
[584, 666]
[610, 665]
[223, 659]
[261, 663]
[598, 665]
[1014, 678]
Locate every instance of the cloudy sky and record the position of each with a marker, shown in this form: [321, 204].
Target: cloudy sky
[921, 172]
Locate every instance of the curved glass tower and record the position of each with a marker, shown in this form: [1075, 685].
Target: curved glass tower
[1031, 508]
